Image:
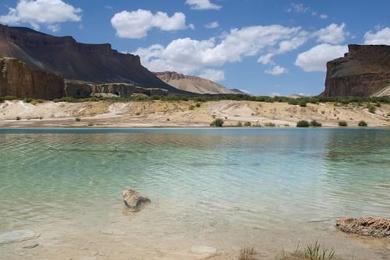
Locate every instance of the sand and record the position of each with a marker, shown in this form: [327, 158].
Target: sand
[183, 114]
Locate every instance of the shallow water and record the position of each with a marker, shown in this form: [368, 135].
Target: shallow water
[225, 188]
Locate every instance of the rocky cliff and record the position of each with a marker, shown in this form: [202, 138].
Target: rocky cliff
[193, 84]
[363, 71]
[76, 61]
[20, 80]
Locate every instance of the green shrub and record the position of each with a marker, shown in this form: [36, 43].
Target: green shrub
[314, 123]
[302, 104]
[248, 124]
[77, 119]
[303, 123]
[197, 105]
[343, 123]
[371, 109]
[239, 124]
[217, 123]
[191, 107]
[18, 118]
[10, 98]
[362, 124]
[27, 100]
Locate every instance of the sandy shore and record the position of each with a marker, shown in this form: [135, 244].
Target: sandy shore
[184, 114]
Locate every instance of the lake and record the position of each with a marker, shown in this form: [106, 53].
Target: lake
[273, 189]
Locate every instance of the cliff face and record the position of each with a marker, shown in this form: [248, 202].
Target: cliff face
[193, 84]
[19, 80]
[80, 89]
[363, 71]
[76, 61]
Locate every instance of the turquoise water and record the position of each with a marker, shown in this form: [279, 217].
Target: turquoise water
[205, 184]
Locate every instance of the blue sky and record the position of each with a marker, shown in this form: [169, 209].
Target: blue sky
[261, 46]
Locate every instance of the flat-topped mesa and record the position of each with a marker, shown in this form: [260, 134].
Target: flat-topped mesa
[363, 71]
[65, 56]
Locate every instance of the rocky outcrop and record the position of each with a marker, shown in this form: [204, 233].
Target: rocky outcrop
[20, 80]
[363, 71]
[133, 200]
[365, 226]
[76, 61]
[80, 89]
[193, 84]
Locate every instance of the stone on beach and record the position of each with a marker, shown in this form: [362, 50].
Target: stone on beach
[203, 251]
[133, 200]
[17, 236]
[365, 226]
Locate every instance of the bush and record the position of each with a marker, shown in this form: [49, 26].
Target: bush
[197, 105]
[371, 109]
[314, 123]
[362, 124]
[217, 123]
[302, 104]
[269, 125]
[248, 124]
[303, 123]
[77, 119]
[191, 107]
[18, 118]
[343, 123]
[239, 124]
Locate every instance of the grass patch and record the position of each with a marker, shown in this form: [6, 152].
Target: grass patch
[248, 253]
[310, 252]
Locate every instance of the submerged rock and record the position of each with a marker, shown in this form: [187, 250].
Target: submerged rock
[365, 226]
[17, 236]
[133, 200]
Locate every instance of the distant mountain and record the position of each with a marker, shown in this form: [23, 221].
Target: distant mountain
[363, 71]
[76, 61]
[194, 84]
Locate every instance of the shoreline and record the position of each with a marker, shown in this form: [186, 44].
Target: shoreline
[185, 114]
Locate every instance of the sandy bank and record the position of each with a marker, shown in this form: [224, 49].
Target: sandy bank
[183, 114]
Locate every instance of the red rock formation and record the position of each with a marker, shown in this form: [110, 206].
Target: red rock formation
[20, 80]
[363, 71]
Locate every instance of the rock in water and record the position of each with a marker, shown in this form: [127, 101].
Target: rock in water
[365, 226]
[133, 200]
[17, 236]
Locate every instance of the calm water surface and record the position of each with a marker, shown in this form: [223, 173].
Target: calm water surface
[213, 186]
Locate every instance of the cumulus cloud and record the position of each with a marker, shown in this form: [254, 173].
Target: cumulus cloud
[136, 24]
[316, 58]
[202, 5]
[211, 74]
[42, 12]
[212, 25]
[189, 56]
[333, 34]
[381, 36]
[276, 70]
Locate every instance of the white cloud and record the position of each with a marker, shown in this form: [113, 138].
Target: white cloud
[302, 9]
[381, 36]
[213, 75]
[136, 24]
[276, 70]
[190, 56]
[333, 34]
[42, 12]
[202, 5]
[212, 25]
[316, 58]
